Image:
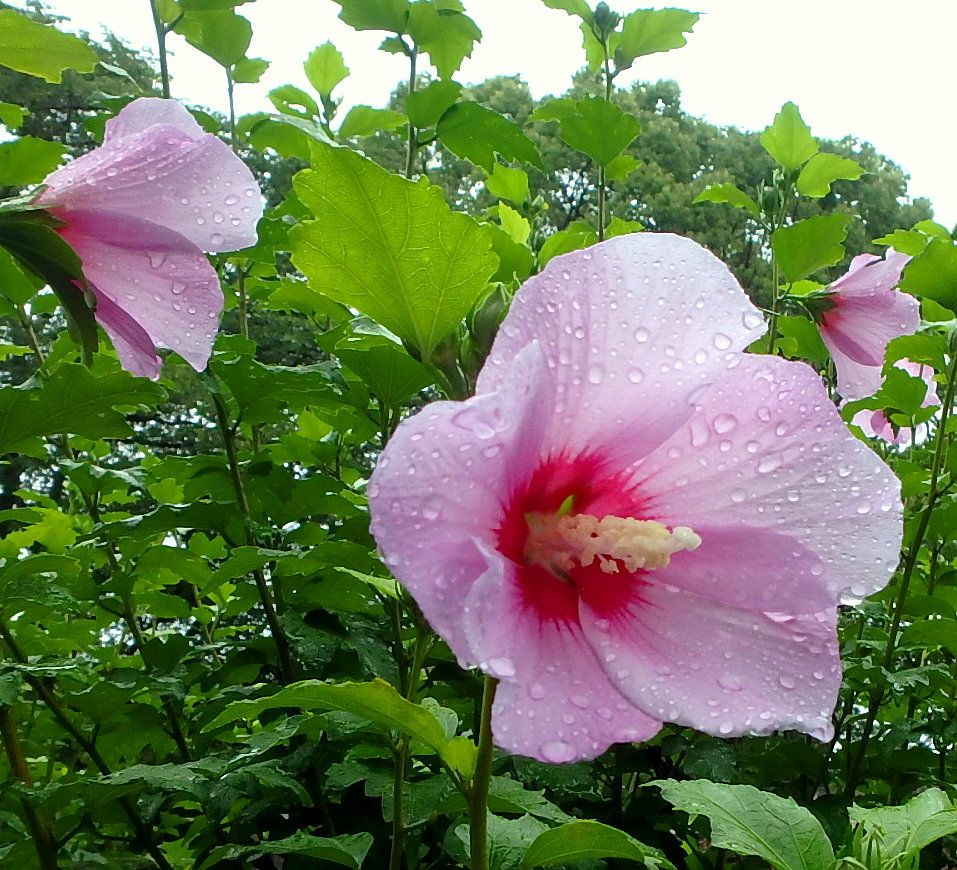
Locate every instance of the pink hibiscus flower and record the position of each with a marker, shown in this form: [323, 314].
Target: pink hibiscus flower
[867, 311]
[139, 211]
[875, 423]
[632, 521]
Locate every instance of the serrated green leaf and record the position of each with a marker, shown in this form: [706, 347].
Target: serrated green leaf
[476, 133]
[508, 183]
[822, 170]
[366, 121]
[41, 50]
[72, 400]
[907, 829]
[388, 15]
[730, 193]
[599, 129]
[620, 167]
[751, 822]
[572, 7]
[515, 224]
[575, 236]
[424, 107]
[803, 248]
[325, 68]
[933, 275]
[346, 850]
[788, 140]
[585, 840]
[649, 31]
[249, 70]
[221, 34]
[28, 160]
[384, 366]
[446, 35]
[424, 267]
[295, 102]
[906, 241]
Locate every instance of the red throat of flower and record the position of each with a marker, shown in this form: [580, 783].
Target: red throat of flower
[577, 533]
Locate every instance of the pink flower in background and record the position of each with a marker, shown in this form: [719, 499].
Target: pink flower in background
[633, 522]
[867, 311]
[875, 423]
[139, 211]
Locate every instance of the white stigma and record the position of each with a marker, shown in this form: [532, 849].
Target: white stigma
[558, 543]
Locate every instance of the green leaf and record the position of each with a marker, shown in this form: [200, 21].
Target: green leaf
[508, 183]
[599, 129]
[572, 7]
[389, 15]
[515, 224]
[40, 50]
[250, 70]
[933, 275]
[620, 167]
[222, 35]
[909, 828]
[72, 400]
[649, 31]
[752, 822]
[426, 106]
[803, 248]
[384, 366]
[925, 348]
[475, 133]
[619, 227]
[366, 121]
[325, 68]
[730, 193]
[423, 266]
[377, 701]
[346, 850]
[906, 241]
[930, 633]
[446, 35]
[788, 140]
[28, 160]
[295, 102]
[585, 841]
[822, 170]
[11, 115]
[575, 236]
[800, 338]
[15, 285]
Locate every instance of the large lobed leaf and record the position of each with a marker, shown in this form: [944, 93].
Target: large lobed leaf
[389, 247]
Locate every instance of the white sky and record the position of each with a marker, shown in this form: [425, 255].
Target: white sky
[879, 70]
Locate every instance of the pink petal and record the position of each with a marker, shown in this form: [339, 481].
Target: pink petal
[146, 112]
[436, 495]
[868, 313]
[725, 671]
[554, 702]
[167, 173]
[159, 279]
[631, 329]
[767, 451]
[133, 345]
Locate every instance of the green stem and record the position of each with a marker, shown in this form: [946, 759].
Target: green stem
[161, 33]
[43, 840]
[279, 637]
[773, 325]
[602, 181]
[910, 563]
[478, 791]
[413, 145]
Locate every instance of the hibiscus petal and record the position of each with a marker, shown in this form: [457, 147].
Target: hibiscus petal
[146, 112]
[767, 450]
[160, 280]
[719, 669]
[167, 174]
[133, 345]
[855, 380]
[554, 701]
[868, 274]
[631, 329]
[440, 488]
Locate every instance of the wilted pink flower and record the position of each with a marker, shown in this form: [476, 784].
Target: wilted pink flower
[632, 522]
[875, 423]
[867, 311]
[139, 211]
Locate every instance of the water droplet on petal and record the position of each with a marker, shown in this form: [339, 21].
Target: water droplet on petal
[721, 341]
[642, 334]
[502, 667]
[558, 751]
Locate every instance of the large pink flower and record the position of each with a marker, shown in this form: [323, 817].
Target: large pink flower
[867, 312]
[633, 522]
[139, 211]
[875, 423]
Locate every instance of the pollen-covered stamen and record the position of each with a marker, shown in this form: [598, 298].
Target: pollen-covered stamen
[559, 543]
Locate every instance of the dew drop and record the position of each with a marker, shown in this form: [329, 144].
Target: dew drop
[642, 334]
[502, 667]
[721, 341]
[536, 691]
[557, 751]
[724, 423]
[217, 238]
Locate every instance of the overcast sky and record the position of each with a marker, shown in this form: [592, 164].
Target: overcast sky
[879, 70]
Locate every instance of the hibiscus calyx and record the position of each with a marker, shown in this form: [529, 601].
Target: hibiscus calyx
[559, 543]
